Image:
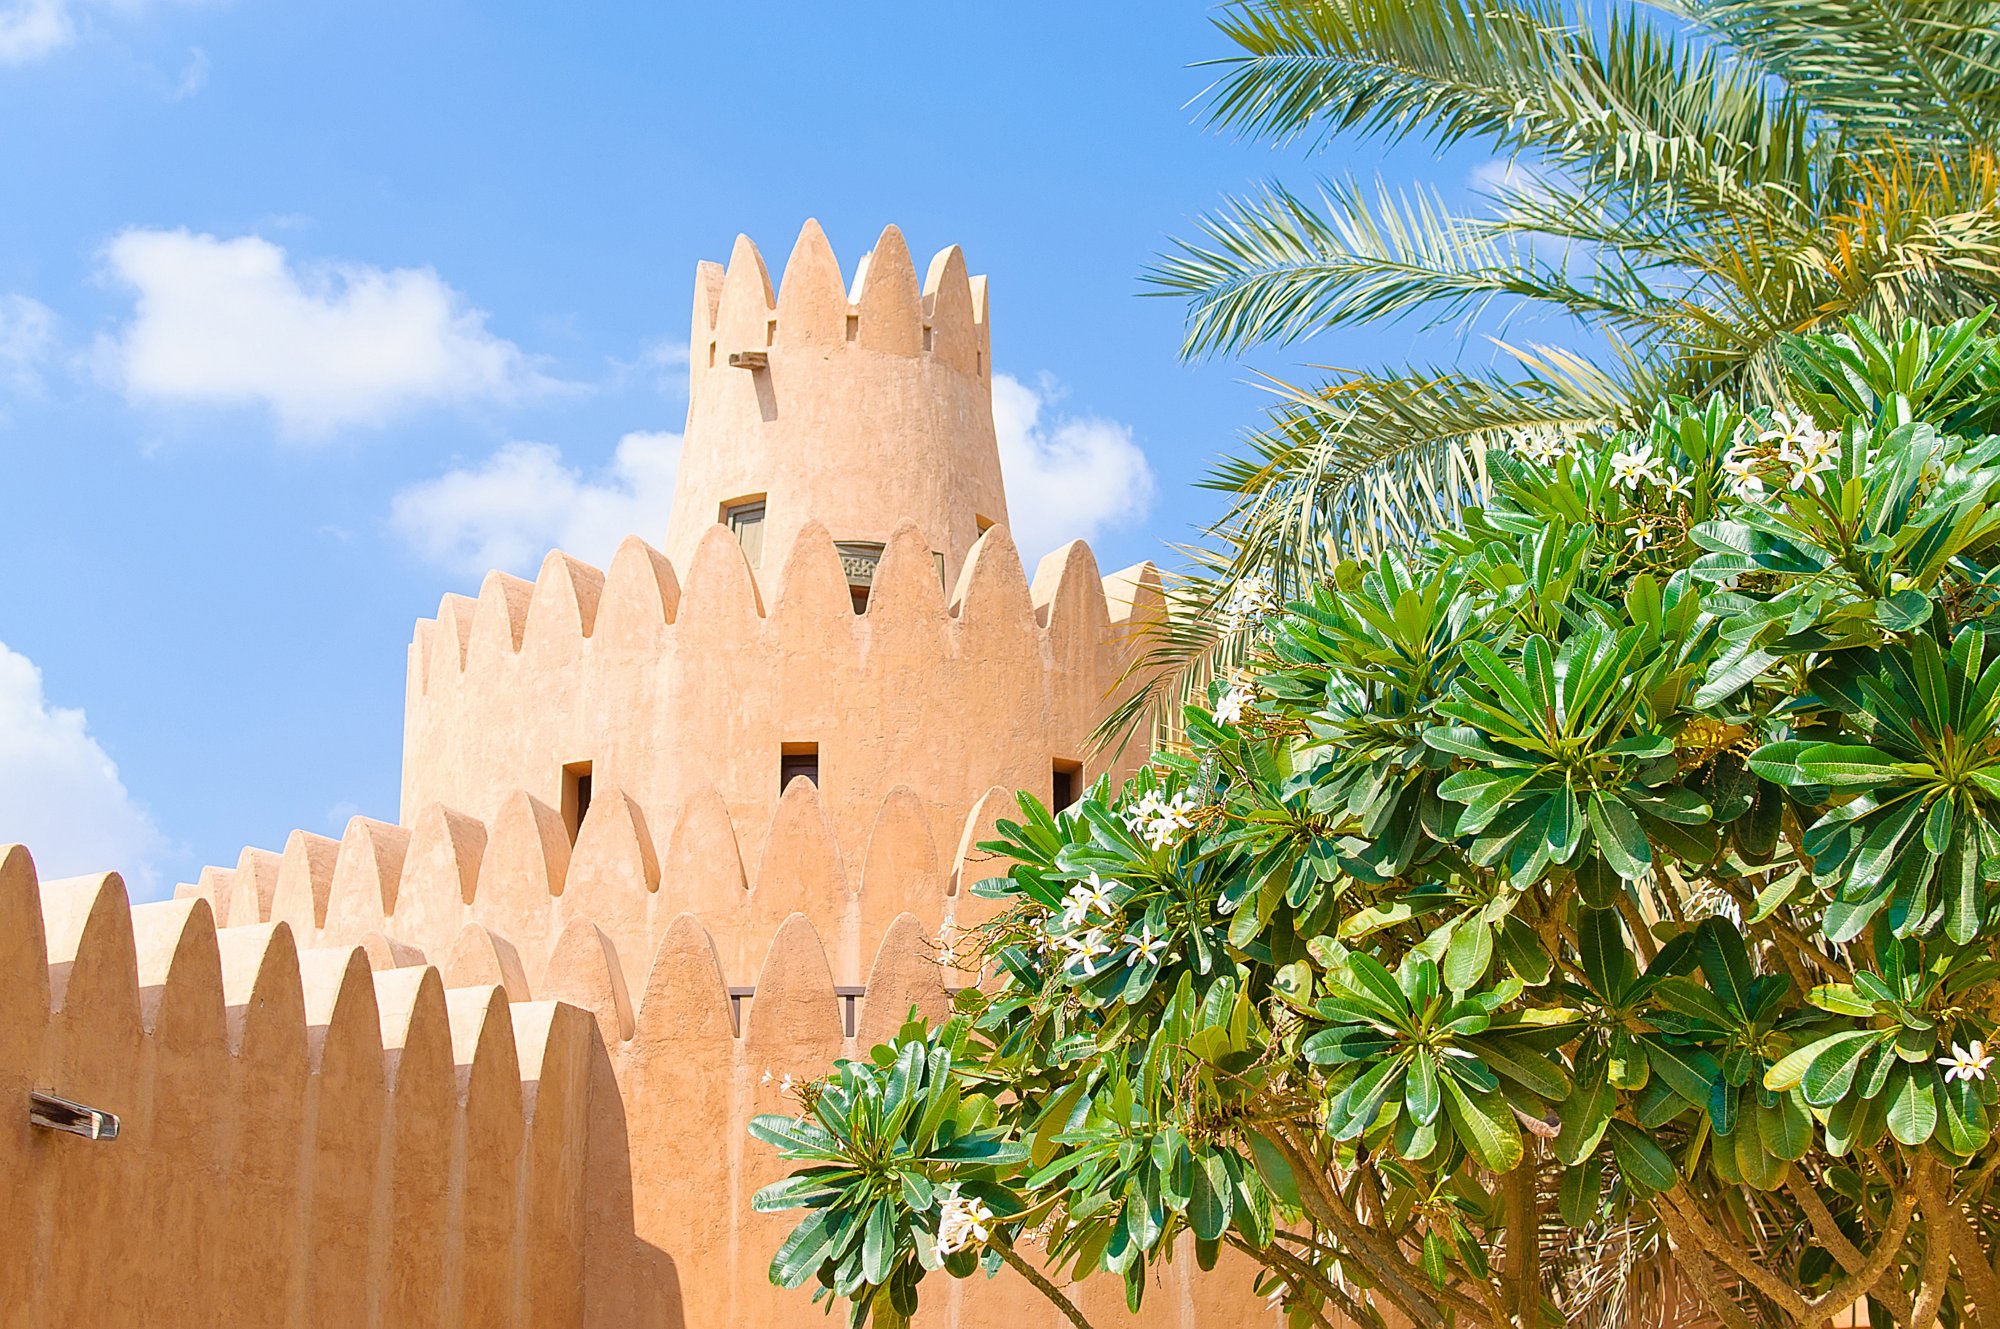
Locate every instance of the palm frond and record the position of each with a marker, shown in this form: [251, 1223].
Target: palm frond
[1877, 70]
[1276, 268]
[1633, 103]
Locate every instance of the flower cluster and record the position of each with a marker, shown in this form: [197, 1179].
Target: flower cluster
[1159, 820]
[964, 1221]
[1542, 445]
[1787, 454]
[1249, 603]
[1965, 1063]
[1088, 897]
[1230, 709]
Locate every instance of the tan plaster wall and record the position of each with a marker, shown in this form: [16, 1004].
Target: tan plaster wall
[308, 1141]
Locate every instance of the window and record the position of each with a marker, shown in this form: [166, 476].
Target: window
[1066, 780]
[745, 520]
[575, 796]
[858, 560]
[795, 761]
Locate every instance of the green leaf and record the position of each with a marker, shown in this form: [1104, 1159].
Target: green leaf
[1913, 1104]
[878, 1242]
[799, 1255]
[1619, 838]
[1485, 1125]
[1643, 1162]
[1274, 1169]
[1578, 1193]
[1830, 1069]
[796, 1135]
[1208, 1205]
[1467, 957]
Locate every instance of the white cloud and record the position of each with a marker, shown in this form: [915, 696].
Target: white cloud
[60, 793]
[323, 345]
[27, 334]
[193, 78]
[1068, 477]
[510, 509]
[30, 29]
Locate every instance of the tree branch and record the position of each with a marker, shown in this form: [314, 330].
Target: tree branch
[1041, 1284]
[1698, 1233]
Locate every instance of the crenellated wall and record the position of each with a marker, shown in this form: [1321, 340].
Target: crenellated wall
[305, 1141]
[493, 1064]
[860, 408]
[495, 901]
[678, 689]
[347, 1136]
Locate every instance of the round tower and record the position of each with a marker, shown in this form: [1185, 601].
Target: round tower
[859, 409]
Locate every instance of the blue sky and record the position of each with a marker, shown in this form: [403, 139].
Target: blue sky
[309, 311]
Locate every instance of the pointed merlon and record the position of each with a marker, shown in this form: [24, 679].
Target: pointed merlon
[254, 886]
[584, 971]
[641, 596]
[562, 609]
[812, 303]
[743, 321]
[954, 340]
[889, 304]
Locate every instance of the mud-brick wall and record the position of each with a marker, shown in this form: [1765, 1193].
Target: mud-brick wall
[303, 1142]
[310, 1143]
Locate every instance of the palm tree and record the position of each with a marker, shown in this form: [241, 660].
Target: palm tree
[1687, 182]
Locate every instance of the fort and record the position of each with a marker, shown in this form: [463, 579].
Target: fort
[671, 832]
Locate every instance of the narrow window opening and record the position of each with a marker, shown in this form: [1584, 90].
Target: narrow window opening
[1066, 779]
[745, 520]
[853, 327]
[796, 761]
[575, 796]
[859, 559]
[711, 355]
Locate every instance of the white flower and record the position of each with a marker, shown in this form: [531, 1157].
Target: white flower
[1787, 429]
[1642, 534]
[1169, 818]
[1087, 949]
[1087, 898]
[963, 1222]
[1541, 445]
[1741, 468]
[1966, 1064]
[1679, 483]
[1146, 948]
[1635, 464]
[1230, 709]
[1249, 601]
[947, 947]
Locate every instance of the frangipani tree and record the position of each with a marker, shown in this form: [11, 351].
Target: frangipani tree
[1614, 876]
[1677, 186]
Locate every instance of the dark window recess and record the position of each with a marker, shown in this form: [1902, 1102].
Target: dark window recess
[1067, 779]
[575, 796]
[795, 760]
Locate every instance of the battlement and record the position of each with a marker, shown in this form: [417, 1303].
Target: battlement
[667, 685]
[737, 313]
[509, 901]
[347, 1136]
[859, 409]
